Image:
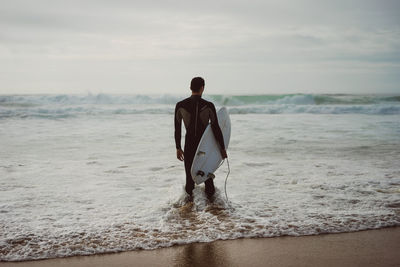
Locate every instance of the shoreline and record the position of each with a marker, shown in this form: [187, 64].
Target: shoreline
[363, 248]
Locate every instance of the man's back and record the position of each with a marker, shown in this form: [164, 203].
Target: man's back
[196, 113]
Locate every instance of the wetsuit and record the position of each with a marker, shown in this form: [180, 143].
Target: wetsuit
[196, 114]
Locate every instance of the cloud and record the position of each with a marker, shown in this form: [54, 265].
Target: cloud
[109, 46]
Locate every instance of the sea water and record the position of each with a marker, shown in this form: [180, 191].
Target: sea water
[89, 174]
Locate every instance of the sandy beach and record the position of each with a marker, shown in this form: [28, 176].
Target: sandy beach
[366, 248]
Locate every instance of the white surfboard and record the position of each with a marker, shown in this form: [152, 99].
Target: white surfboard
[208, 156]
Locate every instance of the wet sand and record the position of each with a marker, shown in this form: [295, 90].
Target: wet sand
[365, 248]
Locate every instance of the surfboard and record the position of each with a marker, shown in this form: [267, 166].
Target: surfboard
[208, 156]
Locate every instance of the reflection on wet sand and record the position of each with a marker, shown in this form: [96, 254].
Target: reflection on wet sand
[204, 218]
[203, 254]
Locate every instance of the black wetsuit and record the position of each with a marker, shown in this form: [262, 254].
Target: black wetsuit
[196, 114]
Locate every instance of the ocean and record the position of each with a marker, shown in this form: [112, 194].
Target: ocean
[90, 174]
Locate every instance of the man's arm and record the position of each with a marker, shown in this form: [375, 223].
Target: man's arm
[217, 131]
[178, 133]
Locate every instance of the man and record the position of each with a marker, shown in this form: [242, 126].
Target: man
[196, 114]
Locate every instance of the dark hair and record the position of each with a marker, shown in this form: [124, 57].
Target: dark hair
[196, 84]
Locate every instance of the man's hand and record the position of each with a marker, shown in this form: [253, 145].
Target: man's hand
[223, 154]
[179, 154]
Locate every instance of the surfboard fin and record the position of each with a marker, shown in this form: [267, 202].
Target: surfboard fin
[201, 173]
[211, 175]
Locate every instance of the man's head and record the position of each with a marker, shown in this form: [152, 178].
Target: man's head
[197, 85]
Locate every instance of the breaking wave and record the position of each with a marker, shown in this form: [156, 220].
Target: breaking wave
[64, 106]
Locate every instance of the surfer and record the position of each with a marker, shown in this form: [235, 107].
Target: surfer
[196, 114]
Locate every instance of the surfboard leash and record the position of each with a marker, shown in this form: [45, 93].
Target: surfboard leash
[226, 179]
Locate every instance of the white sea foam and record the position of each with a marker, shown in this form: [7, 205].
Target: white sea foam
[103, 183]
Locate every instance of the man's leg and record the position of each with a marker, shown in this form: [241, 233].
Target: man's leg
[188, 165]
[210, 189]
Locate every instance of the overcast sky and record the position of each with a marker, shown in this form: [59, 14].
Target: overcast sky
[239, 47]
